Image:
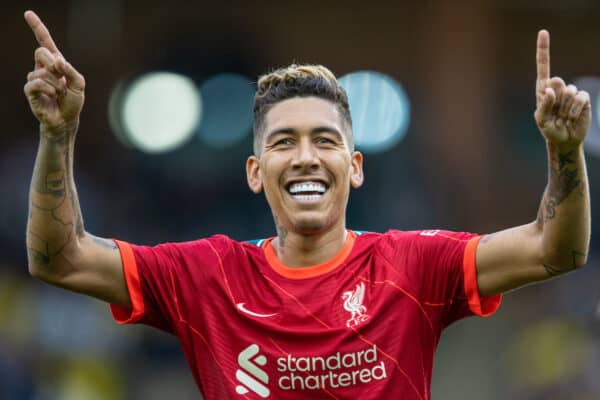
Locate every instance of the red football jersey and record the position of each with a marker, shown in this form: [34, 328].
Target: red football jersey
[364, 325]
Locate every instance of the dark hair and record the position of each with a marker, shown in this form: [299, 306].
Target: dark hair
[297, 81]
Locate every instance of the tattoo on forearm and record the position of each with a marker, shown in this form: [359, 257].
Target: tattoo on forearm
[576, 256]
[540, 215]
[52, 220]
[553, 271]
[550, 209]
[39, 258]
[79, 229]
[55, 184]
[563, 178]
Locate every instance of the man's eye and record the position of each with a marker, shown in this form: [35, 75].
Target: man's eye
[283, 142]
[324, 140]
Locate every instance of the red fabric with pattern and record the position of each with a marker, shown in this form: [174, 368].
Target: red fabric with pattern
[365, 325]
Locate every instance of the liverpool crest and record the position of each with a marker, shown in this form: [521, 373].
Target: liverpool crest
[353, 303]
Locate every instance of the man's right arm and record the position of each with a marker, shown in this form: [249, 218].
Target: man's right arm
[59, 250]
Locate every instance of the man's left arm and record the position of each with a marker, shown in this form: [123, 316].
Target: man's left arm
[558, 241]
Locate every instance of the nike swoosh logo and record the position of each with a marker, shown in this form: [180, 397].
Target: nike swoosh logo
[242, 308]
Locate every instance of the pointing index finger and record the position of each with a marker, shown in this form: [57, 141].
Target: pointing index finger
[543, 56]
[42, 35]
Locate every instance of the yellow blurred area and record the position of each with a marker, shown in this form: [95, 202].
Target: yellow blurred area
[89, 379]
[17, 304]
[548, 352]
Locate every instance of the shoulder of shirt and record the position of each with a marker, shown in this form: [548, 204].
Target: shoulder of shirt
[396, 237]
[218, 243]
[364, 239]
[222, 240]
[367, 234]
[225, 242]
[261, 242]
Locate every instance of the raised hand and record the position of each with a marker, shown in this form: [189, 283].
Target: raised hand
[54, 89]
[563, 113]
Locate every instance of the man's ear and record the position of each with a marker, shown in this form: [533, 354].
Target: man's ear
[356, 170]
[253, 174]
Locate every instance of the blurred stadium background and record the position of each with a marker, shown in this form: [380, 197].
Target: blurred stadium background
[442, 94]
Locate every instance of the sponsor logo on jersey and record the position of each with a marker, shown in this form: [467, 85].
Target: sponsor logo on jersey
[353, 303]
[249, 375]
[295, 373]
[338, 370]
[429, 232]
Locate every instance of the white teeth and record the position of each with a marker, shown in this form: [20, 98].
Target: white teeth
[308, 197]
[302, 187]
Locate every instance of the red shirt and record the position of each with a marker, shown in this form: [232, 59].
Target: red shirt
[364, 325]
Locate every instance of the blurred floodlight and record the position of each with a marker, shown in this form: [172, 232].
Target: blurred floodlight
[160, 111]
[227, 109]
[380, 110]
[591, 84]
[115, 108]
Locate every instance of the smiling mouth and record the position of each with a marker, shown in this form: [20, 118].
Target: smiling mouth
[307, 191]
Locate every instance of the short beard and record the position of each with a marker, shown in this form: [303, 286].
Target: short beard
[309, 228]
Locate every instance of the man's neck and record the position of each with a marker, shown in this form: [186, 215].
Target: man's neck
[297, 251]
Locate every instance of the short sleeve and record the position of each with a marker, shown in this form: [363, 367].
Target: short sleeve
[481, 306]
[441, 268]
[158, 277]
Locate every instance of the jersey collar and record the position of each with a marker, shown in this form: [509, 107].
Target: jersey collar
[310, 271]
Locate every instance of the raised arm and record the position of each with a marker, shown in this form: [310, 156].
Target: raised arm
[558, 241]
[59, 250]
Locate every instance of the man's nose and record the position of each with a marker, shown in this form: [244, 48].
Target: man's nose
[306, 155]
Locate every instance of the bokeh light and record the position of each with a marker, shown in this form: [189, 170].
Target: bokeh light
[158, 112]
[591, 84]
[380, 110]
[227, 109]
[115, 108]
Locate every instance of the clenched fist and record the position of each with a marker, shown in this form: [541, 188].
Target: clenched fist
[54, 89]
[563, 113]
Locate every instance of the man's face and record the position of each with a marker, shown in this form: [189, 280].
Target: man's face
[305, 167]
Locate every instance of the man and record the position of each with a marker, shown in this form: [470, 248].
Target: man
[320, 311]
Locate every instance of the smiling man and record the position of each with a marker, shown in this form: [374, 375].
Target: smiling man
[304, 161]
[320, 310]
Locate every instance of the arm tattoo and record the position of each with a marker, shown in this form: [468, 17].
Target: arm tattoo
[566, 173]
[555, 271]
[54, 213]
[79, 229]
[540, 215]
[562, 180]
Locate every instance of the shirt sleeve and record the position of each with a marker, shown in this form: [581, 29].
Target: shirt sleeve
[160, 277]
[441, 266]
